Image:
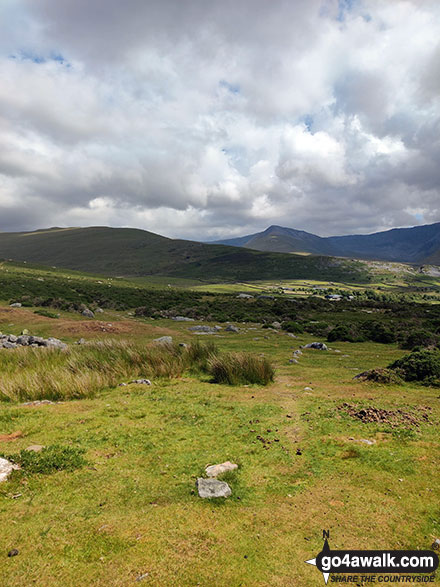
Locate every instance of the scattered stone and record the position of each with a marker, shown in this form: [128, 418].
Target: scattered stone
[9, 345]
[142, 577]
[244, 296]
[297, 353]
[35, 448]
[140, 382]
[182, 319]
[6, 468]
[15, 305]
[204, 329]
[291, 335]
[164, 340]
[99, 311]
[320, 346]
[55, 343]
[232, 328]
[291, 361]
[88, 313]
[81, 341]
[209, 488]
[216, 470]
[13, 552]
[38, 402]
[122, 384]
[366, 441]
[276, 325]
[183, 345]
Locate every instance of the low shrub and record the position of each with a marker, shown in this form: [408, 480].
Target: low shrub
[382, 376]
[241, 368]
[421, 365]
[293, 327]
[50, 459]
[341, 332]
[419, 338]
[46, 313]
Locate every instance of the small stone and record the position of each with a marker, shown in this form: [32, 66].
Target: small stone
[141, 382]
[142, 577]
[232, 328]
[13, 552]
[81, 341]
[35, 448]
[88, 313]
[366, 441]
[122, 384]
[291, 361]
[320, 346]
[209, 488]
[15, 305]
[99, 311]
[164, 340]
[215, 470]
[308, 389]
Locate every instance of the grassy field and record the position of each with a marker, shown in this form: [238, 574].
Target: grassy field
[131, 513]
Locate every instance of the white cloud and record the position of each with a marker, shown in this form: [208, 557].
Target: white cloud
[197, 119]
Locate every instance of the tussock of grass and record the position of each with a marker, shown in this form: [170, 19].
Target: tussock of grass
[50, 459]
[81, 371]
[241, 368]
[28, 374]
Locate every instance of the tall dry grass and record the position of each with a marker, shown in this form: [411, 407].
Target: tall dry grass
[28, 374]
[241, 368]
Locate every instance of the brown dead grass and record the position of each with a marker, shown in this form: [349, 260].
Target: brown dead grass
[11, 437]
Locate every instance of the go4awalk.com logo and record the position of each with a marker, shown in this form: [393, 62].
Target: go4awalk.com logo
[346, 566]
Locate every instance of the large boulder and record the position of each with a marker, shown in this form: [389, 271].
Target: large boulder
[88, 313]
[209, 488]
[320, 346]
[182, 319]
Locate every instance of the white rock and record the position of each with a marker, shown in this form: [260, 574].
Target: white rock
[6, 468]
[215, 470]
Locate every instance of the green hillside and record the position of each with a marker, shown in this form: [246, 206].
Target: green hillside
[133, 252]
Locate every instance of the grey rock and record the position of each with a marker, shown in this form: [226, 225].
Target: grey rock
[366, 441]
[244, 296]
[276, 325]
[216, 470]
[23, 339]
[12, 338]
[232, 328]
[209, 488]
[182, 319]
[36, 340]
[88, 313]
[203, 328]
[291, 335]
[320, 346]
[122, 384]
[6, 468]
[15, 305]
[293, 361]
[99, 311]
[13, 552]
[141, 381]
[55, 343]
[183, 345]
[297, 353]
[8, 345]
[81, 341]
[164, 340]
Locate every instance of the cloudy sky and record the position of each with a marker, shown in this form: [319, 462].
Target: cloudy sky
[206, 118]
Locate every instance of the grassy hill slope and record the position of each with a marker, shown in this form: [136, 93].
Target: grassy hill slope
[133, 252]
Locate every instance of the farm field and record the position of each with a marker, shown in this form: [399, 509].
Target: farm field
[131, 511]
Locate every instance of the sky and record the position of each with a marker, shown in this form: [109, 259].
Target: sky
[206, 119]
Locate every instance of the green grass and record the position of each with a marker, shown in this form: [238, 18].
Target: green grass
[130, 509]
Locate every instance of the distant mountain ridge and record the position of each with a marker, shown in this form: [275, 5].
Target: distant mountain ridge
[134, 252]
[418, 245]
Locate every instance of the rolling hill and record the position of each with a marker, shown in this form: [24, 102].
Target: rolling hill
[134, 252]
[418, 245]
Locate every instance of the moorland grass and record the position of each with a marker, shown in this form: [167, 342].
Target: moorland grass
[241, 368]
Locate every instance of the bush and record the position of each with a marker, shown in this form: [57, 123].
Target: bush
[340, 332]
[293, 327]
[50, 459]
[378, 332]
[421, 365]
[241, 368]
[419, 338]
[46, 313]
